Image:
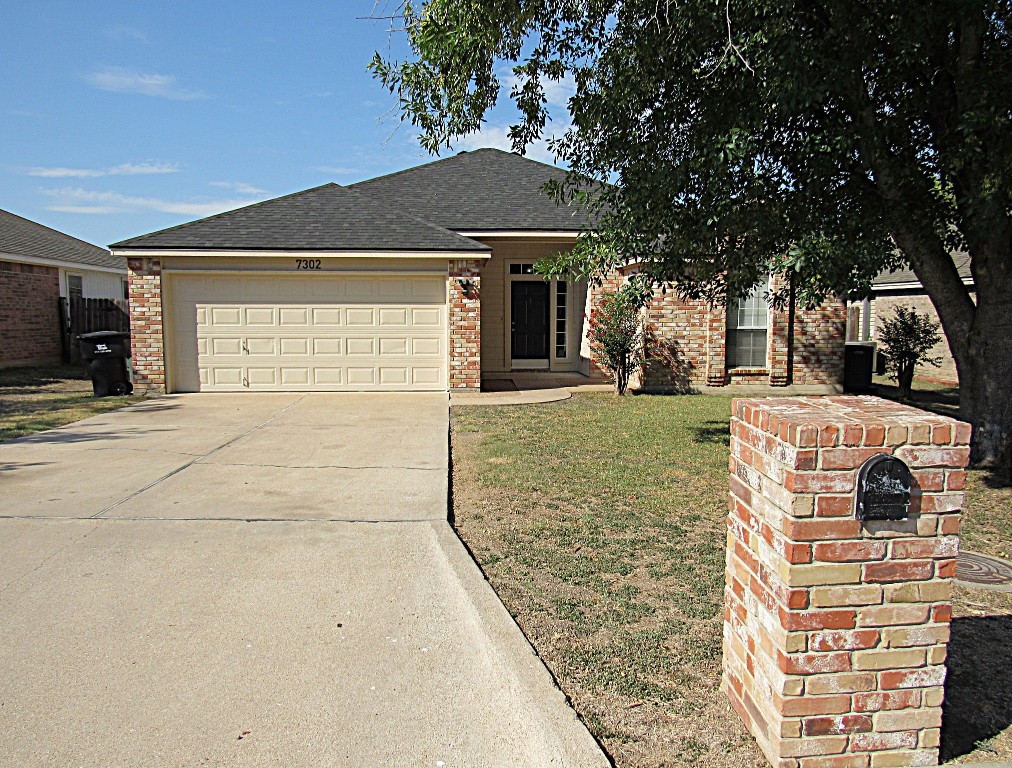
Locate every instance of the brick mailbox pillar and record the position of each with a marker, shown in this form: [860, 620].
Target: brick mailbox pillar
[835, 629]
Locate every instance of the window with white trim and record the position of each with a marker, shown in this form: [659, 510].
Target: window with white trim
[75, 286]
[748, 321]
[561, 293]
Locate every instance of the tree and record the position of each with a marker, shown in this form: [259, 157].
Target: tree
[615, 334]
[907, 337]
[824, 140]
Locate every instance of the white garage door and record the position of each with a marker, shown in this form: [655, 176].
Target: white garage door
[312, 332]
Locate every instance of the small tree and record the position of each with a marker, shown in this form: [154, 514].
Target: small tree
[616, 336]
[907, 338]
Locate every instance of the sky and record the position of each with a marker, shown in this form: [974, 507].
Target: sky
[122, 118]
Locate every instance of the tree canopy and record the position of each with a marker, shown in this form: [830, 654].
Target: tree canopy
[718, 142]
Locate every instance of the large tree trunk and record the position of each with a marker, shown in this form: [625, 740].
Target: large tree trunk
[984, 361]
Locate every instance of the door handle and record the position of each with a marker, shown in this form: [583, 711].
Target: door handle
[245, 349]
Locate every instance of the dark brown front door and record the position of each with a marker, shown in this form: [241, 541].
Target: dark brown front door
[530, 320]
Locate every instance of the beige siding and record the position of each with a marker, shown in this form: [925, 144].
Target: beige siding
[95, 284]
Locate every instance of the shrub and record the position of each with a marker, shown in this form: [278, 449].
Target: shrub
[615, 334]
[907, 338]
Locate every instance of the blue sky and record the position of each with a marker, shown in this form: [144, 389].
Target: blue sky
[124, 118]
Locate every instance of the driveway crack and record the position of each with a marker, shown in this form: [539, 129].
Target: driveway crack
[189, 464]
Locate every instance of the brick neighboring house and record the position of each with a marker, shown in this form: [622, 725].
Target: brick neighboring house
[37, 266]
[421, 280]
[902, 288]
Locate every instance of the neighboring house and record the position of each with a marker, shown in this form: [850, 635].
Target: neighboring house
[37, 266]
[902, 288]
[418, 280]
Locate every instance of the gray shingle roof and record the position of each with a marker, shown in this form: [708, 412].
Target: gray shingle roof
[325, 218]
[906, 275]
[22, 237]
[483, 190]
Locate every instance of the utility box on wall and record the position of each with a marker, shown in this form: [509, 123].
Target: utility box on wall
[842, 542]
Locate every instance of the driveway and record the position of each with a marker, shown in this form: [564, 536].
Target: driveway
[253, 580]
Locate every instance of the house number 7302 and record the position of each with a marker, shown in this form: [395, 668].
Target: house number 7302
[307, 264]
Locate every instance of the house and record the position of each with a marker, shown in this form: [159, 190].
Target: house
[900, 287]
[418, 280]
[38, 265]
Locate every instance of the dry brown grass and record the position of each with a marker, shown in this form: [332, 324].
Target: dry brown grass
[600, 522]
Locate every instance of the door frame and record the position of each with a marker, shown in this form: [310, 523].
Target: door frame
[549, 363]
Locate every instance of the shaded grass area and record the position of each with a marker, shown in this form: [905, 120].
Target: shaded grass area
[600, 521]
[33, 399]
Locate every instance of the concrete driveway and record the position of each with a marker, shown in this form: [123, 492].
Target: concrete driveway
[257, 580]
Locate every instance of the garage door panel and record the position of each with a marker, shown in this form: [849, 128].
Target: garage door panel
[225, 347]
[326, 316]
[263, 346]
[296, 346]
[293, 316]
[328, 347]
[311, 332]
[219, 317]
[393, 347]
[426, 318]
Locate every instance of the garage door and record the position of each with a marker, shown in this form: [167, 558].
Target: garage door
[317, 332]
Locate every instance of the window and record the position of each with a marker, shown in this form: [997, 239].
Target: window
[126, 289]
[747, 323]
[561, 291]
[522, 269]
[75, 286]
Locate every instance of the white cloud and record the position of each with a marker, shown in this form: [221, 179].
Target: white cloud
[125, 32]
[87, 209]
[337, 170]
[497, 137]
[238, 186]
[121, 80]
[73, 199]
[125, 169]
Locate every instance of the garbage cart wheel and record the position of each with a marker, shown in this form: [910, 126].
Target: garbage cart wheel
[121, 388]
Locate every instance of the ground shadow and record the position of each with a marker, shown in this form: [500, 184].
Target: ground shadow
[716, 432]
[978, 689]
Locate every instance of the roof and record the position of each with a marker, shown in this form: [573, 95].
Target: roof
[483, 190]
[325, 218]
[21, 237]
[906, 277]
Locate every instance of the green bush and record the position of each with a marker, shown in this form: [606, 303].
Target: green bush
[616, 336]
[907, 338]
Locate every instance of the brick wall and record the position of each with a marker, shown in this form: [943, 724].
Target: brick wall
[687, 340]
[465, 324]
[29, 314]
[835, 632]
[146, 337]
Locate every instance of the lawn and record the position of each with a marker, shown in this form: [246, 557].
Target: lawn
[600, 521]
[33, 399]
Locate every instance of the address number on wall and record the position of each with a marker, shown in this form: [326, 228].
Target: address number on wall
[308, 263]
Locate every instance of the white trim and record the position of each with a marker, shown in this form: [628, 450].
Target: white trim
[306, 273]
[60, 263]
[169, 253]
[910, 286]
[546, 234]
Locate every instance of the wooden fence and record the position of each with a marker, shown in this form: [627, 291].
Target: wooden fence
[79, 315]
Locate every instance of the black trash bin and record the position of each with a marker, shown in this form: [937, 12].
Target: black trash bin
[857, 366]
[106, 353]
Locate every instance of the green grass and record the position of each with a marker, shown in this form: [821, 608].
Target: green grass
[33, 399]
[600, 521]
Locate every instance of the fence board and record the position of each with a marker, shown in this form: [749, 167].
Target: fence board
[82, 315]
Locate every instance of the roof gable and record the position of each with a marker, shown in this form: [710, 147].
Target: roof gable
[325, 218]
[482, 190]
[22, 237]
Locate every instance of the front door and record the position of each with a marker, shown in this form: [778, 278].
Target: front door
[530, 320]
